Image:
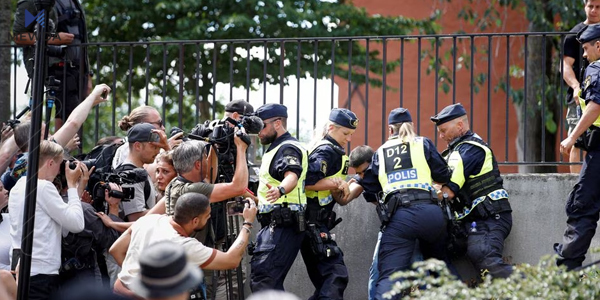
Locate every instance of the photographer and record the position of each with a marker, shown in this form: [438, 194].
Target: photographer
[191, 214]
[144, 142]
[52, 216]
[81, 250]
[194, 164]
[144, 114]
[69, 19]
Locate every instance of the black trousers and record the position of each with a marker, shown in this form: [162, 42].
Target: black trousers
[583, 211]
[329, 275]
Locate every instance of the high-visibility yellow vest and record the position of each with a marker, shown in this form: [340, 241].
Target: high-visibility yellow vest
[403, 166]
[296, 197]
[325, 197]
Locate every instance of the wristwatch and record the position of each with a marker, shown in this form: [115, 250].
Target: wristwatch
[281, 191]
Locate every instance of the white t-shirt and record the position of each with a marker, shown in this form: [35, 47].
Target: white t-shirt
[151, 229]
[121, 154]
[53, 220]
[5, 243]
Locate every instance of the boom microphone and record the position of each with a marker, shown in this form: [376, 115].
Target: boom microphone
[253, 124]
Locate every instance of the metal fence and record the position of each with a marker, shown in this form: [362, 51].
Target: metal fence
[491, 74]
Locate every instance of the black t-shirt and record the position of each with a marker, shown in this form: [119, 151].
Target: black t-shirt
[572, 48]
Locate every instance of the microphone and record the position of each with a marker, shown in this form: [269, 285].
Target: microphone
[253, 124]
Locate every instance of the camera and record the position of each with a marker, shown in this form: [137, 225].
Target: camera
[236, 207]
[55, 51]
[219, 133]
[89, 163]
[119, 178]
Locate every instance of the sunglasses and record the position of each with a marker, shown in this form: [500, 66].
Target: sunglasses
[159, 123]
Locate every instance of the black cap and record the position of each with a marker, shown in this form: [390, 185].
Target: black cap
[239, 106]
[343, 117]
[449, 113]
[142, 132]
[399, 115]
[272, 110]
[164, 272]
[588, 33]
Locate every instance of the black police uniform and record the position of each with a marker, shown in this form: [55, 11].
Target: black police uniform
[414, 213]
[277, 245]
[484, 207]
[583, 204]
[323, 258]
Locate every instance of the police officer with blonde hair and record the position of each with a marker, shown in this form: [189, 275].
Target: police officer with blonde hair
[282, 201]
[326, 186]
[476, 182]
[402, 172]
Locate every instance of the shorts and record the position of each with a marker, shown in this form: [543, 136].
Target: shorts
[67, 93]
[572, 116]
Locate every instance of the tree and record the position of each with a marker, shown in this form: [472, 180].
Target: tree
[191, 70]
[542, 97]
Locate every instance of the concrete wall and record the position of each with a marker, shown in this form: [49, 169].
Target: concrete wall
[539, 220]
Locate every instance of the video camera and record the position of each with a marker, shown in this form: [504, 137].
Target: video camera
[220, 134]
[120, 178]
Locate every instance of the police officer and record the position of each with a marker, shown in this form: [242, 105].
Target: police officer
[65, 65]
[402, 172]
[282, 201]
[583, 206]
[476, 182]
[327, 171]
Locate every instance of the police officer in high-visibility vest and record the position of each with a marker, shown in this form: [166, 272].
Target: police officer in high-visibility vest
[282, 201]
[583, 204]
[327, 171]
[484, 208]
[402, 171]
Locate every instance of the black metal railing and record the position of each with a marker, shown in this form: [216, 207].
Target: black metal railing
[507, 87]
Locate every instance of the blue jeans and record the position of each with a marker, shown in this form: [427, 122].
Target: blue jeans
[374, 272]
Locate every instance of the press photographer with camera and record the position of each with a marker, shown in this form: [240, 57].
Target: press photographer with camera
[191, 214]
[143, 142]
[52, 216]
[144, 114]
[69, 65]
[195, 165]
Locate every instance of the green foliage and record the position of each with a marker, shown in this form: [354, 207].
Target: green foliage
[542, 281]
[544, 16]
[215, 52]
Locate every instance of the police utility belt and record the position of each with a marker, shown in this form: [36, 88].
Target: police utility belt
[402, 198]
[283, 215]
[321, 215]
[589, 140]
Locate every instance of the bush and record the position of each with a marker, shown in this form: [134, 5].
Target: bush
[543, 281]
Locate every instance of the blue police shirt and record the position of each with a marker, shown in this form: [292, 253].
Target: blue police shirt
[324, 157]
[439, 171]
[287, 158]
[472, 157]
[591, 83]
